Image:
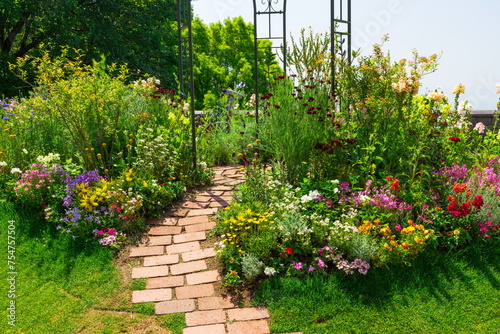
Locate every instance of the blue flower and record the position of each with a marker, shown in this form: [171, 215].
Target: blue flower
[5, 118]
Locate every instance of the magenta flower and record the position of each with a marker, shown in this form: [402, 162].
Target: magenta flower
[297, 265]
[320, 263]
[397, 227]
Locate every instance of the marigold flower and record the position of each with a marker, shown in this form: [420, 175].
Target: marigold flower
[405, 245]
[418, 240]
[12, 136]
[450, 233]
[386, 246]
[394, 243]
[456, 232]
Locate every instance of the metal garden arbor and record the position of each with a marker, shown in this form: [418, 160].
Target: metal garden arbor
[340, 32]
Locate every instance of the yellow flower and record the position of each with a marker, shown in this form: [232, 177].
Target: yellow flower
[258, 141]
[131, 135]
[120, 154]
[394, 243]
[99, 156]
[418, 240]
[386, 246]
[92, 149]
[456, 232]
[103, 144]
[128, 147]
[385, 230]
[240, 155]
[12, 136]
[242, 170]
[459, 89]
[249, 146]
[450, 233]
[130, 141]
[405, 245]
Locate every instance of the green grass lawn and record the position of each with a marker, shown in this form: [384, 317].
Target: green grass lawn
[62, 287]
[440, 293]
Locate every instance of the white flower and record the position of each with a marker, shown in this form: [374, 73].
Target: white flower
[269, 271]
[3, 163]
[313, 194]
[497, 88]
[25, 151]
[15, 170]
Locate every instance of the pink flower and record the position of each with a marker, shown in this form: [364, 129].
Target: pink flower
[397, 227]
[100, 232]
[320, 263]
[118, 210]
[297, 265]
[111, 231]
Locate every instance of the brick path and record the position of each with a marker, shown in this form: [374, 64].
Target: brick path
[175, 267]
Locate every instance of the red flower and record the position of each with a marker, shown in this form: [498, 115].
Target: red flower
[465, 209]
[478, 202]
[395, 185]
[389, 178]
[455, 139]
[289, 251]
[118, 210]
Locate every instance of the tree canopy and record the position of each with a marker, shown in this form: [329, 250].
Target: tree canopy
[136, 32]
[224, 59]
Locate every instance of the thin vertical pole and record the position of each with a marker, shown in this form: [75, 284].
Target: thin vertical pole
[191, 83]
[256, 62]
[180, 56]
[349, 30]
[284, 39]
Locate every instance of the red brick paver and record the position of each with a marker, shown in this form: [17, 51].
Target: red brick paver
[183, 248]
[209, 329]
[199, 318]
[194, 291]
[213, 303]
[175, 306]
[146, 251]
[157, 295]
[248, 327]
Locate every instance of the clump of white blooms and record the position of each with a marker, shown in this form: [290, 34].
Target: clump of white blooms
[49, 160]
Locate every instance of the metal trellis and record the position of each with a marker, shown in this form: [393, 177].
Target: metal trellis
[340, 33]
[268, 9]
[186, 70]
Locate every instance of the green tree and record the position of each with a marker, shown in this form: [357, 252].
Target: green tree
[136, 32]
[224, 59]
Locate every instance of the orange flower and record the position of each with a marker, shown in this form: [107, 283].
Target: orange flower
[411, 222]
[405, 245]
[459, 188]
[394, 243]
[386, 246]
[395, 185]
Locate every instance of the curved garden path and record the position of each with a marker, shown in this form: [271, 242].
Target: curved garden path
[178, 265]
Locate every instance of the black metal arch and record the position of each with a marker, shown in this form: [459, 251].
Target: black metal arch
[340, 32]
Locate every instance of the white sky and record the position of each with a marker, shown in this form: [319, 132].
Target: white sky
[463, 30]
